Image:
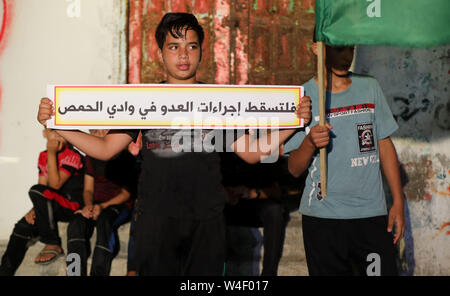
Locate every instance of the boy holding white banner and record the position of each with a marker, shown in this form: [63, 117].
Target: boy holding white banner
[180, 228]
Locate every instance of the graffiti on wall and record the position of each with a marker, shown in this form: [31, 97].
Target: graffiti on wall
[5, 21]
[445, 228]
[406, 109]
[416, 87]
[442, 115]
[3, 13]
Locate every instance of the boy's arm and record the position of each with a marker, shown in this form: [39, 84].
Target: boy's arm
[88, 197]
[300, 158]
[270, 191]
[55, 177]
[389, 163]
[120, 198]
[249, 149]
[42, 180]
[88, 190]
[100, 148]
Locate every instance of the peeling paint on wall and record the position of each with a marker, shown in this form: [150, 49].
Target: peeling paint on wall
[241, 58]
[445, 228]
[135, 42]
[415, 83]
[221, 45]
[426, 175]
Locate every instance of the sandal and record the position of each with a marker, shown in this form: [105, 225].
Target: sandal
[51, 259]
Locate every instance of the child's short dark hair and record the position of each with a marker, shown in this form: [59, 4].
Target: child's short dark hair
[175, 23]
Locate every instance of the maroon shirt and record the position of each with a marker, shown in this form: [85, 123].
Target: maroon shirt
[111, 176]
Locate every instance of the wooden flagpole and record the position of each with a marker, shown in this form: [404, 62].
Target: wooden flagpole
[322, 119]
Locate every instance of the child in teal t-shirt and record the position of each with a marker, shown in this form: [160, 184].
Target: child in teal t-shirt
[342, 229]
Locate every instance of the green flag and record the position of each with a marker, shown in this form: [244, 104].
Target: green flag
[411, 23]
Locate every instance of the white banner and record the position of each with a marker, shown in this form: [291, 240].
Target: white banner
[174, 106]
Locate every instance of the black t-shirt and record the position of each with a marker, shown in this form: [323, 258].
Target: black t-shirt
[176, 183]
[237, 172]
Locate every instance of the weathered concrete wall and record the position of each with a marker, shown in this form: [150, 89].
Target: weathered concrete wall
[42, 42]
[415, 83]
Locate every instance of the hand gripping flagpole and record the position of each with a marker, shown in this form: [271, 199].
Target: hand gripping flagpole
[322, 119]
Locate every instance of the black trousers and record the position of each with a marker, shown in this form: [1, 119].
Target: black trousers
[22, 236]
[166, 246]
[131, 260]
[50, 207]
[79, 233]
[348, 246]
[266, 213]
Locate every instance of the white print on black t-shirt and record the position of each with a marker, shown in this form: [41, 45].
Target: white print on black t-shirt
[365, 160]
[366, 140]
